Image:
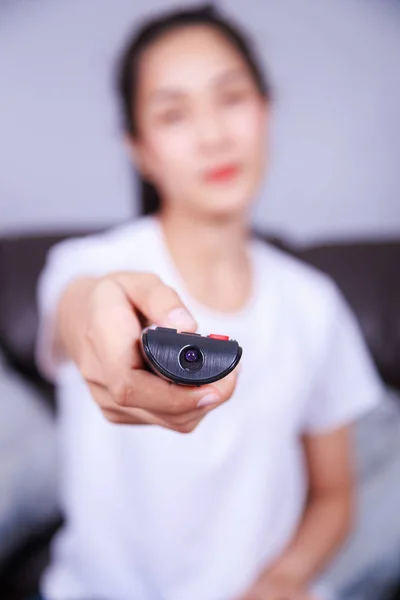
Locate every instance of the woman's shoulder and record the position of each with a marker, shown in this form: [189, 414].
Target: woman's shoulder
[289, 269]
[111, 245]
[121, 234]
[305, 291]
[309, 303]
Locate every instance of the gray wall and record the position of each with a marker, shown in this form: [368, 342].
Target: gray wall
[335, 129]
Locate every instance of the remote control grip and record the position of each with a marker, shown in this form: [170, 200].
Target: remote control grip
[189, 358]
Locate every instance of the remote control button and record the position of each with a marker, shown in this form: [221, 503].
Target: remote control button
[216, 336]
[169, 329]
[190, 333]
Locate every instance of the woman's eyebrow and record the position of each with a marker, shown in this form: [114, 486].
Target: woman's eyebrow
[230, 75]
[168, 94]
[165, 94]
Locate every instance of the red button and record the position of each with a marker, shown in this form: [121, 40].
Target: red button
[216, 336]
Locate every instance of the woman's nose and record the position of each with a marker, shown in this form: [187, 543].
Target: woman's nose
[211, 132]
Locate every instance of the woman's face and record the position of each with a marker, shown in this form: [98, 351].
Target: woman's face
[201, 123]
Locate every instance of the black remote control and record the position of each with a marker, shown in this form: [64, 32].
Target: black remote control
[189, 358]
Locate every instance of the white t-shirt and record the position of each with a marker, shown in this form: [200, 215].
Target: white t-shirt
[152, 514]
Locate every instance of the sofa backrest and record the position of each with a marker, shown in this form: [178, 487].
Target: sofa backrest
[367, 272]
[22, 258]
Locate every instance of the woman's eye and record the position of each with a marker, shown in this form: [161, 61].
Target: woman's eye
[234, 97]
[170, 117]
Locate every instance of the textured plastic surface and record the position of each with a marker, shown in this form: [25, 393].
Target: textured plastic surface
[161, 348]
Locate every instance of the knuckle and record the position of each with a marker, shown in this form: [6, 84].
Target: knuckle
[173, 402]
[85, 366]
[103, 279]
[103, 283]
[176, 406]
[186, 427]
[156, 294]
[85, 372]
[179, 405]
[112, 416]
[150, 280]
[193, 416]
[178, 420]
[122, 393]
[90, 334]
[192, 426]
[153, 302]
[170, 294]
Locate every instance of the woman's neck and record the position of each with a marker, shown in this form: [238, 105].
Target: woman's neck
[212, 257]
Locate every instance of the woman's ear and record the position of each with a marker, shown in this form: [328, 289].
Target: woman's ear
[266, 106]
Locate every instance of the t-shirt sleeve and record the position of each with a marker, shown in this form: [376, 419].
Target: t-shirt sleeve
[65, 262]
[347, 383]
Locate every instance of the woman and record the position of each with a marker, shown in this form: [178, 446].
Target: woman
[256, 499]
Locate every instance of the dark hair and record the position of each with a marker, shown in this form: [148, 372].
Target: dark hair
[150, 32]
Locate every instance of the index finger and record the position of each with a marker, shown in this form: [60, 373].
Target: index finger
[116, 327]
[155, 300]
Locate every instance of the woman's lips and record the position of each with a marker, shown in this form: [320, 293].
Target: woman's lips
[225, 173]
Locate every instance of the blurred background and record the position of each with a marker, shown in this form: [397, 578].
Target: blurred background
[336, 139]
[332, 195]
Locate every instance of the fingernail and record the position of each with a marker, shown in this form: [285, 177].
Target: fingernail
[180, 318]
[208, 399]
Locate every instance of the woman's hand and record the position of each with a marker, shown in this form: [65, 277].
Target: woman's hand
[270, 589]
[324, 523]
[99, 326]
